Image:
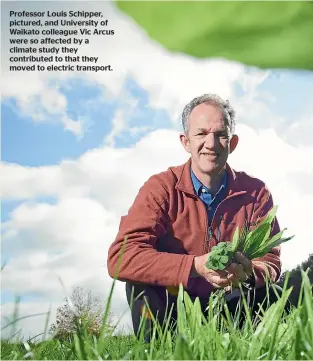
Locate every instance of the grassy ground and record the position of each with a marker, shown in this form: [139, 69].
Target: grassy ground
[275, 337]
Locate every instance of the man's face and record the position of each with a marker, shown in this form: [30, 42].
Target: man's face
[208, 139]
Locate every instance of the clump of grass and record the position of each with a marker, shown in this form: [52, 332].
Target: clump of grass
[275, 335]
[253, 244]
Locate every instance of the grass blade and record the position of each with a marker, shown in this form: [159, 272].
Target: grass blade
[235, 240]
[255, 238]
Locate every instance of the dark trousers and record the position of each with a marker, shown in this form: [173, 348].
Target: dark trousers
[160, 303]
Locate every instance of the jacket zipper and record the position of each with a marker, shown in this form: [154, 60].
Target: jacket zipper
[208, 231]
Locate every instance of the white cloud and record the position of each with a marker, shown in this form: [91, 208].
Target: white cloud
[118, 125]
[96, 173]
[30, 326]
[40, 101]
[121, 122]
[29, 179]
[300, 132]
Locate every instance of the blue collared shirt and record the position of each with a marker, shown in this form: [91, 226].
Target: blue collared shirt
[205, 195]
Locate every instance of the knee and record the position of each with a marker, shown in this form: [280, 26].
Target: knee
[139, 291]
[272, 291]
[140, 295]
[272, 295]
[275, 290]
[134, 291]
[279, 291]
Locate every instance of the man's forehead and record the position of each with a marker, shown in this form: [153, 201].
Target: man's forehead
[212, 128]
[207, 117]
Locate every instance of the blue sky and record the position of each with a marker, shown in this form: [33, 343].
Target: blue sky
[36, 144]
[291, 88]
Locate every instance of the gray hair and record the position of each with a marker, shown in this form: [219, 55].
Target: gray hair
[228, 111]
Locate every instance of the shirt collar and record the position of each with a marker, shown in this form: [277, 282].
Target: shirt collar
[198, 185]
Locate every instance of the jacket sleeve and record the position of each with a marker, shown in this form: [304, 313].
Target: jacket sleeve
[144, 224]
[271, 262]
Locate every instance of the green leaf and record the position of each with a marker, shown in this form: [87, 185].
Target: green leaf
[213, 266]
[271, 215]
[224, 259]
[229, 247]
[211, 262]
[277, 236]
[219, 256]
[256, 238]
[243, 235]
[262, 251]
[235, 241]
[278, 242]
[267, 34]
[216, 250]
[182, 349]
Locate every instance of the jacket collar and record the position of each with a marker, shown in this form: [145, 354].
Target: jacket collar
[184, 182]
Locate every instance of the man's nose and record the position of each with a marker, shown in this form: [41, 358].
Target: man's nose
[210, 140]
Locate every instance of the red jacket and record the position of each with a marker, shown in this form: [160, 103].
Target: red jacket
[167, 226]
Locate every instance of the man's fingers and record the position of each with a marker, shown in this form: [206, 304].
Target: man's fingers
[216, 285]
[241, 274]
[232, 268]
[218, 279]
[222, 274]
[236, 273]
[246, 262]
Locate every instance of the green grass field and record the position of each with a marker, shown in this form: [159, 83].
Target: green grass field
[275, 337]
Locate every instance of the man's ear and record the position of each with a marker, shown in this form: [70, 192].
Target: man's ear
[233, 143]
[184, 141]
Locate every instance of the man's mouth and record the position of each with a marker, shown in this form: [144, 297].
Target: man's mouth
[212, 155]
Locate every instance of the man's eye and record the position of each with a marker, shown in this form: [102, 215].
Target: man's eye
[223, 135]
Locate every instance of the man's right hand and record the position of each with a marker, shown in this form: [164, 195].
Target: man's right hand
[219, 279]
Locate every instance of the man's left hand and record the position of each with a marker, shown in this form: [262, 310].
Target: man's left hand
[245, 262]
[240, 270]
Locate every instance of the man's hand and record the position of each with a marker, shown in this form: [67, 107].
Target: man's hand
[245, 262]
[237, 272]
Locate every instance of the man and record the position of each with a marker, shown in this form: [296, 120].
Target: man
[180, 214]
